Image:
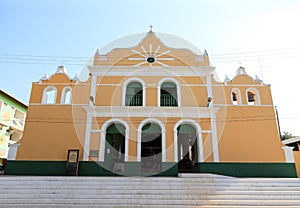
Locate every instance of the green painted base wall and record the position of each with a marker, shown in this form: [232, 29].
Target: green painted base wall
[85, 168]
[44, 168]
[282, 170]
[88, 168]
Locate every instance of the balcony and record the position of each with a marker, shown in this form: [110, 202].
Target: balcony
[134, 100]
[168, 100]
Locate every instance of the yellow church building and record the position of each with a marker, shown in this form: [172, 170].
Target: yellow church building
[152, 109]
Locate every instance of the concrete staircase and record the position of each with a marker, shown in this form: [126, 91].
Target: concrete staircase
[188, 190]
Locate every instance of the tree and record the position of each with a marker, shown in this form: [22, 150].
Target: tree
[286, 135]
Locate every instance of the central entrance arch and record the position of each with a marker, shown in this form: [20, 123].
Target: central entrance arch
[187, 148]
[151, 148]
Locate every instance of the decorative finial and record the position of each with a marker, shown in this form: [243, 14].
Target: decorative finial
[241, 71]
[226, 78]
[205, 53]
[97, 52]
[151, 26]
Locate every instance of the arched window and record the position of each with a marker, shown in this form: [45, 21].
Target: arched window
[253, 96]
[49, 95]
[168, 94]
[66, 96]
[134, 94]
[236, 97]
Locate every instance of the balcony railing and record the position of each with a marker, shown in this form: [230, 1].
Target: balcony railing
[168, 100]
[134, 100]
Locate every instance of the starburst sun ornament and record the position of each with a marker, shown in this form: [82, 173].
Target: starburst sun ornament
[152, 56]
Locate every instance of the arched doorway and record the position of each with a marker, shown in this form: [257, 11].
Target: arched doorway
[115, 147]
[151, 148]
[187, 148]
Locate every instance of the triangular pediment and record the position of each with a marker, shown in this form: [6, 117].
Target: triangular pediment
[151, 51]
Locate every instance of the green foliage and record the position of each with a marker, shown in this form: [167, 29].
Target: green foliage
[286, 135]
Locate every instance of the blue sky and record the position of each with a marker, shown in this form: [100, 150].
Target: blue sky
[261, 35]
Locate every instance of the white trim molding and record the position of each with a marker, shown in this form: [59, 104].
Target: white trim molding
[151, 71]
[151, 111]
[103, 137]
[289, 155]
[130, 80]
[198, 134]
[172, 80]
[163, 137]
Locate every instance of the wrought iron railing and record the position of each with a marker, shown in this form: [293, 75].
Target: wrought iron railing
[134, 100]
[168, 100]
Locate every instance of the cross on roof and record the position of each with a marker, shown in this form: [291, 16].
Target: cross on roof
[151, 26]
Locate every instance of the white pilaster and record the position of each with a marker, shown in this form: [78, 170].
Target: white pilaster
[200, 147]
[93, 90]
[289, 155]
[102, 146]
[163, 146]
[139, 145]
[209, 89]
[214, 136]
[12, 151]
[175, 143]
[126, 144]
[86, 147]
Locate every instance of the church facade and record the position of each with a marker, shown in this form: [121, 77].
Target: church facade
[152, 109]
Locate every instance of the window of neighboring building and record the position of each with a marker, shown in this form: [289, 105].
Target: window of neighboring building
[134, 94]
[19, 117]
[66, 96]
[49, 95]
[236, 97]
[168, 94]
[253, 97]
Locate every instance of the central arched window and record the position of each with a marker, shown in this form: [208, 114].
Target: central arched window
[134, 94]
[168, 94]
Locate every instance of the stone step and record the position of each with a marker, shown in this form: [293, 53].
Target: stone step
[145, 179]
[104, 191]
[144, 206]
[133, 202]
[191, 191]
[179, 182]
[147, 196]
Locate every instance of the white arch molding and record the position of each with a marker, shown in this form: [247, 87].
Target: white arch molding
[64, 93]
[163, 137]
[127, 82]
[257, 101]
[239, 97]
[198, 134]
[45, 96]
[103, 137]
[174, 81]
